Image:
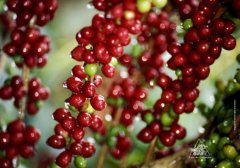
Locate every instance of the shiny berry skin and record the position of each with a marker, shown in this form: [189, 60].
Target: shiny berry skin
[64, 159]
[202, 71]
[87, 149]
[229, 42]
[98, 102]
[179, 106]
[89, 89]
[60, 113]
[179, 131]
[145, 135]
[84, 119]
[74, 84]
[78, 71]
[26, 151]
[108, 70]
[78, 134]
[68, 123]
[31, 135]
[4, 140]
[168, 96]
[76, 148]
[163, 81]
[56, 141]
[76, 100]
[155, 127]
[96, 122]
[167, 138]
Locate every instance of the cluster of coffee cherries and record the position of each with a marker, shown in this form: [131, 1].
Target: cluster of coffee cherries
[73, 129]
[101, 42]
[29, 47]
[14, 88]
[42, 10]
[126, 96]
[17, 140]
[222, 141]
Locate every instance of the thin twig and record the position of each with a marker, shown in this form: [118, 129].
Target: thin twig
[104, 149]
[25, 76]
[150, 151]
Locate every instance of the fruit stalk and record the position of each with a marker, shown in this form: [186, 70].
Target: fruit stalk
[25, 76]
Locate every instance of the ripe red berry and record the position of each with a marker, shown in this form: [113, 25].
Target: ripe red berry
[64, 159]
[98, 102]
[56, 141]
[167, 138]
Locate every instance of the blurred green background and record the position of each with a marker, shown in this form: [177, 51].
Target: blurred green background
[71, 16]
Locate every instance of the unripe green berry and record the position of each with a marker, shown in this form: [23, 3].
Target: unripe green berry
[159, 3]
[237, 161]
[136, 50]
[166, 120]
[214, 138]
[143, 6]
[225, 164]
[53, 165]
[212, 161]
[80, 162]
[223, 141]
[230, 151]
[90, 69]
[187, 24]
[202, 161]
[178, 72]
[148, 118]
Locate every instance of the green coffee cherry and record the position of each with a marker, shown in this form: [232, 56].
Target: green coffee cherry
[231, 87]
[178, 73]
[111, 141]
[80, 162]
[202, 161]
[214, 138]
[211, 146]
[237, 161]
[212, 161]
[53, 165]
[230, 151]
[90, 69]
[143, 6]
[225, 127]
[220, 155]
[159, 3]
[166, 120]
[148, 118]
[225, 164]
[187, 24]
[136, 50]
[223, 141]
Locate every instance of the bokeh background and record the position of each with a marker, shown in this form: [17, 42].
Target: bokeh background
[71, 16]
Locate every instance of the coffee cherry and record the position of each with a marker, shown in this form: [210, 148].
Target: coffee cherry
[56, 141]
[159, 3]
[167, 138]
[60, 114]
[166, 120]
[225, 164]
[237, 161]
[179, 131]
[89, 89]
[87, 149]
[84, 119]
[145, 135]
[108, 70]
[64, 159]
[80, 162]
[91, 69]
[187, 24]
[4, 140]
[230, 151]
[98, 102]
[143, 6]
[148, 118]
[78, 134]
